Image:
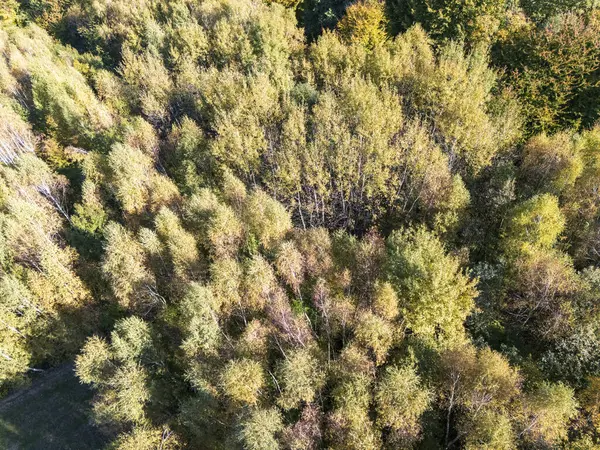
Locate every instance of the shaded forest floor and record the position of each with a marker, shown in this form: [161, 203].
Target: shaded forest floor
[51, 414]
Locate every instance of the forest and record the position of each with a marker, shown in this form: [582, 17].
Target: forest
[306, 224]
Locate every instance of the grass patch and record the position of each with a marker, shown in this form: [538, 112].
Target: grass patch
[52, 414]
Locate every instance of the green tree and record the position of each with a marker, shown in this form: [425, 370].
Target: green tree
[8, 11]
[547, 411]
[542, 292]
[290, 265]
[300, 378]
[188, 160]
[260, 430]
[148, 83]
[181, 245]
[401, 400]
[199, 312]
[449, 19]
[124, 266]
[536, 222]
[580, 205]
[136, 184]
[541, 10]
[266, 219]
[551, 164]
[436, 296]
[147, 438]
[375, 334]
[242, 381]
[319, 15]
[553, 69]
[120, 370]
[488, 430]
[270, 239]
[478, 384]
[363, 23]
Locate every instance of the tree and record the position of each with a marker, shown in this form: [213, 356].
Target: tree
[43, 296]
[225, 231]
[457, 95]
[401, 400]
[226, 283]
[542, 289]
[262, 241]
[136, 184]
[300, 379]
[147, 438]
[121, 371]
[123, 265]
[547, 411]
[180, 244]
[580, 205]
[149, 84]
[551, 164]
[590, 400]
[19, 317]
[259, 283]
[188, 161]
[489, 430]
[199, 311]
[553, 69]
[259, 431]
[306, 433]
[290, 265]
[90, 214]
[266, 219]
[320, 15]
[536, 222]
[242, 381]
[363, 23]
[448, 19]
[375, 334]
[436, 295]
[8, 11]
[385, 301]
[349, 425]
[541, 11]
[67, 105]
[480, 384]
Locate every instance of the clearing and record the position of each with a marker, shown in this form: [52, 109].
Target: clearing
[51, 414]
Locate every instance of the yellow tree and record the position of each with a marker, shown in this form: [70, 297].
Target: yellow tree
[364, 23]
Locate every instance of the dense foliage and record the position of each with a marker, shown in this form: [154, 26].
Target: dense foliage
[303, 225]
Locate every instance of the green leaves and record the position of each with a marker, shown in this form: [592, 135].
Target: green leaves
[200, 317]
[121, 371]
[242, 381]
[300, 377]
[536, 222]
[551, 164]
[471, 21]
[401, 400]
[260, 428]
[435, 295]
[284, 230]
[124, 268]
[548, 410]
[553, 69]
[364, 23]
[266, 218]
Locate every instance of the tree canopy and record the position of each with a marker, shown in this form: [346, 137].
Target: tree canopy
[265, 224]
